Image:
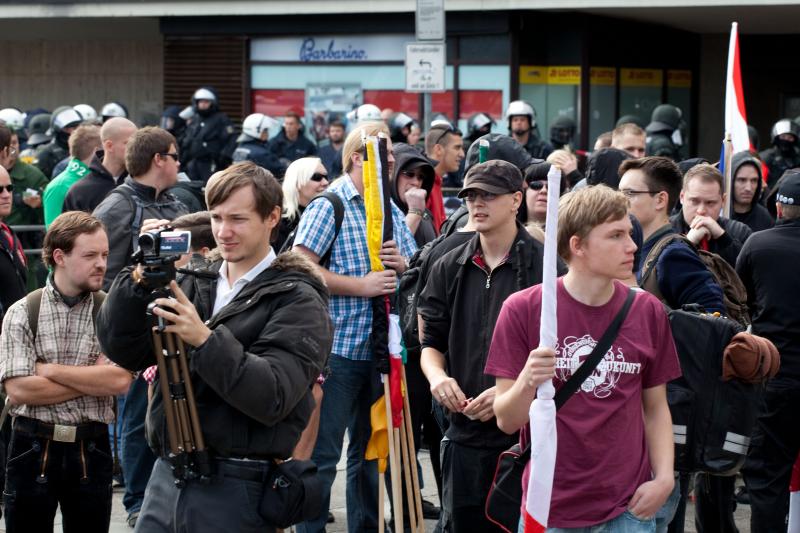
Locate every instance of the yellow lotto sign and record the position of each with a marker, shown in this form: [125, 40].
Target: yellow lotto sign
[641, 77]
[679, 79]
[603, 76]
[550, 75]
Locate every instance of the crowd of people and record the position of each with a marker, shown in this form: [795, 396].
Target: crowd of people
[275, 304]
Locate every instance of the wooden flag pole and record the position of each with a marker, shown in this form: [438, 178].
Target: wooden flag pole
[407, 466]
[381, 483]
[394, 463]
[413, 453]
[728, 154]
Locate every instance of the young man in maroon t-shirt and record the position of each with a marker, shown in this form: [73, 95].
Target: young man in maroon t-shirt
[614, 461]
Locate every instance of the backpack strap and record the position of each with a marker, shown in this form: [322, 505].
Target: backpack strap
[34, 302]
[138, 213]
[649, 280]
[338, 220]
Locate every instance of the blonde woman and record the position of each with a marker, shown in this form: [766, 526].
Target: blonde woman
[304, 179]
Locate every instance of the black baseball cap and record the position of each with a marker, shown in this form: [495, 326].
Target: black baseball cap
[789, 188]
[495, 176]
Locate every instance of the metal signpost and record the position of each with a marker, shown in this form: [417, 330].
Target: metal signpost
[426, 59]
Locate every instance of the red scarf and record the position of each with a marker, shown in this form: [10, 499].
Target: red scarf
[435, 203]
[12, 243]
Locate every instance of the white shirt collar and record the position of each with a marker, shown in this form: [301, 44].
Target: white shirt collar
[251, 274]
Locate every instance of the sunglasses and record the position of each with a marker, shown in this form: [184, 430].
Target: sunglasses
[173, 155]
[412, 174]
[316, 176]
[7, 188]
[471, 196]
[537, 185]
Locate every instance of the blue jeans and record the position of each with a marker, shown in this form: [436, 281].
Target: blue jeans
[349, 393]
[627, 523]
[137, 458]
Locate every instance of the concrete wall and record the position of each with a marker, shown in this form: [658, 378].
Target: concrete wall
[48, 63]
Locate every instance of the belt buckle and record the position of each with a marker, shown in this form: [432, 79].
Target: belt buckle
[64, 433]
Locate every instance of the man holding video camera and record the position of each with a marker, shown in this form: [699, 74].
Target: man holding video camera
[141, 203]
[258, 334]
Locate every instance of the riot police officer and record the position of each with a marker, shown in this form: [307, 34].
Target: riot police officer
[521, 118]
[400, 127]
[113, 109]
[478, 125]
[63, 122]
[785, 151]
[562, 133]
[209, 140]
[664, 137]
[252, 143]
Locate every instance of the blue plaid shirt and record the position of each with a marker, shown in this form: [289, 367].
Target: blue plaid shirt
[352, 315]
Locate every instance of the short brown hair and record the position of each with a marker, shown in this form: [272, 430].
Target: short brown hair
[64, 230]
[790, 212]
[628, 128]
[353, 144]
[267, 192]
[199, 225]
[84, 141]
[707, 174]
[581, 211]
[292, 114]
[440, 135]
[143, 145]
[660, 174]
[5, 136]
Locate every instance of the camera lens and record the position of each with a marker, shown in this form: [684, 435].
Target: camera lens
[147, 242]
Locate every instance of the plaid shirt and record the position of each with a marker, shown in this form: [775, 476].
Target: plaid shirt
[65, 336]
[351, 315]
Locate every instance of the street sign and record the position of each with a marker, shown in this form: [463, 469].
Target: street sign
[430, 20]
[425, 64]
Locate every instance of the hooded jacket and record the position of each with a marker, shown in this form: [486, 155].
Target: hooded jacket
[758, 217]
[406, 156]
[252, 378]
[603, 167]
[87, 193]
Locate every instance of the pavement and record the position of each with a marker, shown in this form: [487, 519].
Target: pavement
[119, 525]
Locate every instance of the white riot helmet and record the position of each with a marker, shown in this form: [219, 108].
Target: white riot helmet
[255, 124]
[519, 108]
[87, 112]
[13, 118]
[365, 113]
[113, 109]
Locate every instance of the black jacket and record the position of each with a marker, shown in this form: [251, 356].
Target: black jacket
[331, 160]
[767, 266]
[729, 243]
[260, 154]
[87, 193]
[778, 163]
[252, 378]
[459, 305]
[48, 157]
[13, 272]
[288, 151]
[207, 145]
[406, 156]
[758, 217]
[537, 147]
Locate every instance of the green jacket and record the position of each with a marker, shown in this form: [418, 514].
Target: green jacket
[56, 191]
[25, 176]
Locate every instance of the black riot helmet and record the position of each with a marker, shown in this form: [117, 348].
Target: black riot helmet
[397, 123]
[562, 131]
[665, 117]
[38, 128]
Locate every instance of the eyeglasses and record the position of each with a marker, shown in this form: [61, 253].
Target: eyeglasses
[12, 150]
[630, 192]
[445, 130]
[471, 196]
[537, 185]
[316, 176]
[7, 188]
[173, 155]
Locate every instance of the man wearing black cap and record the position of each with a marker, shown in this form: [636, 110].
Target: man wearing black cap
[767, 266]
[459, 306]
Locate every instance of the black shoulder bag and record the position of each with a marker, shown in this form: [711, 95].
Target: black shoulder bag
[505, 495]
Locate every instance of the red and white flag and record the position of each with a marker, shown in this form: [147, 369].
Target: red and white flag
[735, 116]
[544, 441]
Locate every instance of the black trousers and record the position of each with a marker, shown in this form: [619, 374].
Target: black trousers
[773, 451]
[42, 474]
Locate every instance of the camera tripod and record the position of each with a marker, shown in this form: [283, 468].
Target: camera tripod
[187, 451]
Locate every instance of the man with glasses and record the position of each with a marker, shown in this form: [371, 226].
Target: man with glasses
[459, 306]
[445, 145]
[29, 183]
[141, 203]
[652, 185]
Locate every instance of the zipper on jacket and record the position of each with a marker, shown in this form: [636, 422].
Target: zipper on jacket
[489, 280]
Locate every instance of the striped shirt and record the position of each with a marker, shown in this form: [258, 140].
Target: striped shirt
[351, 315]
[65, 336]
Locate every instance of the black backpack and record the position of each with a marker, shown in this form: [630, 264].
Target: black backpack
[712, 419]
[338, 220]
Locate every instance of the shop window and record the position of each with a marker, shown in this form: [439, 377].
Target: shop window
[471, 102]
[552, 91]
[276, 102]
[408, 103]
[640, 91]
[602, 96]
[679, 93]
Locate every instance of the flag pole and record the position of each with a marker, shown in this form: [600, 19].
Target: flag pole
[413, 453]
[726, 206]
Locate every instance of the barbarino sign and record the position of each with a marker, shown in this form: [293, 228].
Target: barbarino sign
[330, 48]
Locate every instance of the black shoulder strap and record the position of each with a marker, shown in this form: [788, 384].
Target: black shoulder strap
[591, 362]
[34, 301]
[138, 213]
[97, 300]
[338, 219]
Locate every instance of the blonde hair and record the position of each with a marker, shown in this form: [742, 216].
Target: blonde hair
[581, 211]
[353, 142]
[297, 176]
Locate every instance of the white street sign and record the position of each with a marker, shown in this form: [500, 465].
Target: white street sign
[425, 63]
[430, 20]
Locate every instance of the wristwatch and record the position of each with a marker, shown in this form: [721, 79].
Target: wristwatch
[416, 211]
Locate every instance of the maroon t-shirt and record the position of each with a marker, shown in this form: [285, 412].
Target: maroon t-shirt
[602, 453]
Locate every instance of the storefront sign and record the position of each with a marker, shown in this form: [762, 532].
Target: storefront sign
[679, 79]
[330, 49]
[425, 64]
[550, 75]
[603, 76]
[641, 77]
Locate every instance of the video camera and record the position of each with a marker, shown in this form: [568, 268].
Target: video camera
[157, 253]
